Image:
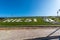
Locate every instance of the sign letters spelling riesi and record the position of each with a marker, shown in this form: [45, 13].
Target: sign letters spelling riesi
[14, 21]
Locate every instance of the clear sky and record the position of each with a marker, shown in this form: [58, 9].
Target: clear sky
[17, 8]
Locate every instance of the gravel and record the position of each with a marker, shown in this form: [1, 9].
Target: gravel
[22, 34]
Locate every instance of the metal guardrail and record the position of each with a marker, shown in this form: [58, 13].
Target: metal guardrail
[46, 38]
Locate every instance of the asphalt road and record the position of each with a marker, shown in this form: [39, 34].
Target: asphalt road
[22, 34]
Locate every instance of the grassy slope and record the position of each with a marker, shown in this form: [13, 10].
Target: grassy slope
[40, 22]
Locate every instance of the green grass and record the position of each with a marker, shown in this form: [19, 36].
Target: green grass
[40, 21]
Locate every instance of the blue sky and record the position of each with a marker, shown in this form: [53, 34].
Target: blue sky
[17, 8]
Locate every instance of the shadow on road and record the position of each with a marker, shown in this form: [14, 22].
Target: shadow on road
[47, 37]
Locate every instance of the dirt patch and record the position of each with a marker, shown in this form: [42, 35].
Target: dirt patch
[22, 34]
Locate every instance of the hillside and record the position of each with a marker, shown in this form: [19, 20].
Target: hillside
[21, 21]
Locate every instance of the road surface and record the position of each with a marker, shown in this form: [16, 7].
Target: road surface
[22, 34]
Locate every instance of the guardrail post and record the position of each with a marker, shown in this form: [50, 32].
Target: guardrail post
[59, 37]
